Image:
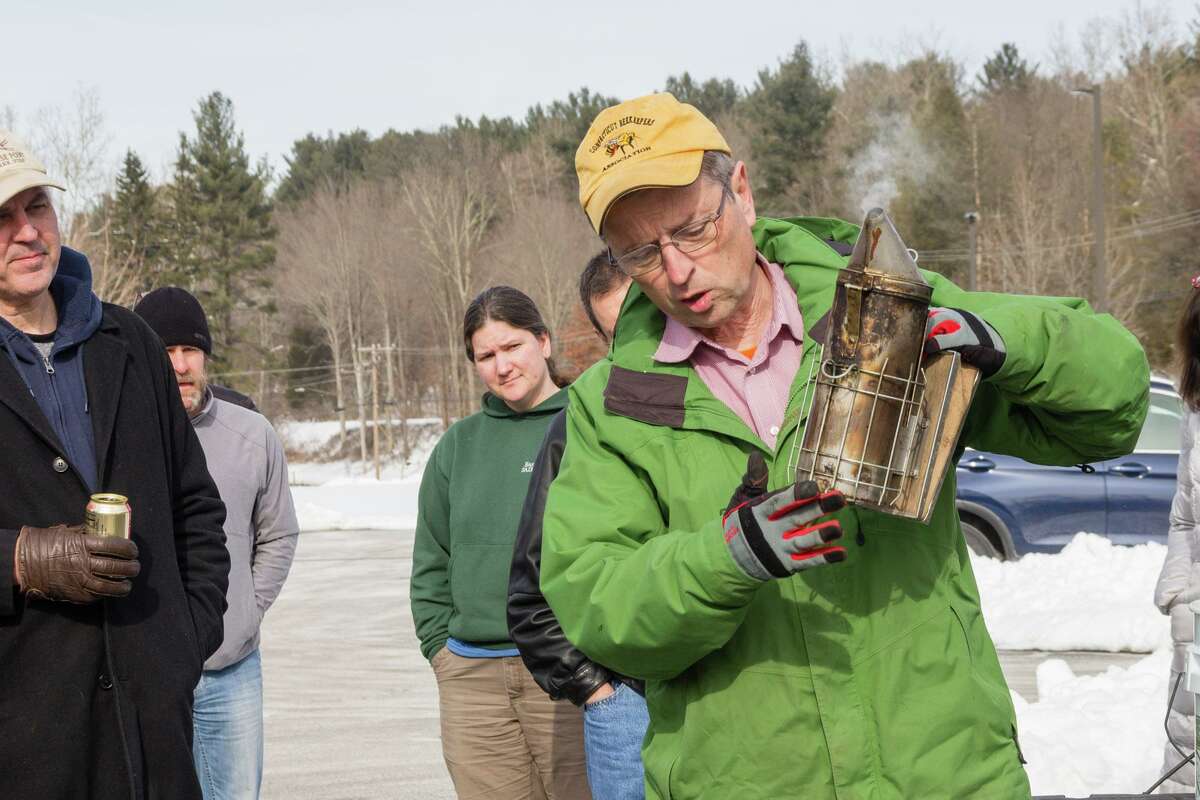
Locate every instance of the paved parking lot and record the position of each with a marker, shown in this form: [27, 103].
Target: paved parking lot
[350, 704]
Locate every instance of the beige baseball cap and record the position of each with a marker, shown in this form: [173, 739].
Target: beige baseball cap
[20, 169]
[645, 142]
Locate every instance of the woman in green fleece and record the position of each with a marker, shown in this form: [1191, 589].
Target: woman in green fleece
[503, 738]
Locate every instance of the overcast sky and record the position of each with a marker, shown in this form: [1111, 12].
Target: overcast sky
[295, 66]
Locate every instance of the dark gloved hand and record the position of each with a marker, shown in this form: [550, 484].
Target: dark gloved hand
[66, 563]
[775, 535]
[955, 329]
[754, 482]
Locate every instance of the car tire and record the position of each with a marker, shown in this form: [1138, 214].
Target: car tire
[978, 541]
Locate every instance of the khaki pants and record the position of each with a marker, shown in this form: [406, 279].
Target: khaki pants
[503, 738]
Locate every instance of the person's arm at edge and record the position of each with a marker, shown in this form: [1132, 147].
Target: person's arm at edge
[199, 516]
[275, 527]
[9, 587]
[429, 587]
[1177, 566]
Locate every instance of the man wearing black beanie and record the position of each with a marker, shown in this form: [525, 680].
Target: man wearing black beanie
[245, 458]
[179, 320]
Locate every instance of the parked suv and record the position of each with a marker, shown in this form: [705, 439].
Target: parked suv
[1010, 507]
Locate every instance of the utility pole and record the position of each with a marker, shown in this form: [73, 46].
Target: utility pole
[375, 408]
[972, 220]
[1099, 255]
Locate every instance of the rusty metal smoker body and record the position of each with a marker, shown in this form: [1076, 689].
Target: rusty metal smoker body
[882, 425]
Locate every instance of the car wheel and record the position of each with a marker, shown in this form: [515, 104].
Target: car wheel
[979, 542]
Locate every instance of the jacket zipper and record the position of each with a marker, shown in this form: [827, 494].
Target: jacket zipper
[54, 393]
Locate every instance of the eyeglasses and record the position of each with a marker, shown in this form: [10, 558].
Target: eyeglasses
[688, 239]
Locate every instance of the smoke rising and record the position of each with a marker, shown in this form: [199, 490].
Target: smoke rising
[895, 155]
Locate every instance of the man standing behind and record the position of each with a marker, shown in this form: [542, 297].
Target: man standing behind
[246, 460]
[101, 639]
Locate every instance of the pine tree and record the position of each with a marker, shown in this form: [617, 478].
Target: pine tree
[223, 237]
[566, 122]
[713, 97]
[135, 217]
[1006, 71]
[790, 108]
[316, 162]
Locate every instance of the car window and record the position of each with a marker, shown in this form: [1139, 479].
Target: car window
[1164, 422]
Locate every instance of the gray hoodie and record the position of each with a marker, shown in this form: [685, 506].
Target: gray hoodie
[245, 458]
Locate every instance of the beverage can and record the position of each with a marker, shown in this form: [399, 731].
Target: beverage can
[108, 515]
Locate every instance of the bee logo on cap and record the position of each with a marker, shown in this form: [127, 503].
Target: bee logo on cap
[620, 142]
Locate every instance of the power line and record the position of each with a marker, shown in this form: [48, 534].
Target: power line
[1167, 224]
[347, 369]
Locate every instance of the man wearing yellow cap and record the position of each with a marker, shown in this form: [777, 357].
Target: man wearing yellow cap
[792, 646]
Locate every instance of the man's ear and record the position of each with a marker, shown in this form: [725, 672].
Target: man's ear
[739, 184]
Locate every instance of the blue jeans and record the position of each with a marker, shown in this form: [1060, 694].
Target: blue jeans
[613, 729]
[227, 742]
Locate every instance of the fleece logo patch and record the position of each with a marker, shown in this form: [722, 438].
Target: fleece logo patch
[527, 468]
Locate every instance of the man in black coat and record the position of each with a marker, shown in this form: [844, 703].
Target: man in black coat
[101, 640]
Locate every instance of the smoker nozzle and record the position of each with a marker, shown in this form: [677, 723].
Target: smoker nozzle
[880, 249]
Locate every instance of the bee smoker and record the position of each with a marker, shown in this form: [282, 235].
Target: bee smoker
[883, 421]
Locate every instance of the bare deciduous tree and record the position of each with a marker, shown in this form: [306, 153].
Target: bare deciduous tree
[451, 209]
[324, 253]
[546, 240]
[74, 142]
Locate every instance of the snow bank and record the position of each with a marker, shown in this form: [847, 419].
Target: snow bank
[1098, 733]
[310, 439]
[1094, 595]
[358, 504]
[306, 436]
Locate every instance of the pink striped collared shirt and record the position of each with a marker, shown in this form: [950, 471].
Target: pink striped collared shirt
[756, 389]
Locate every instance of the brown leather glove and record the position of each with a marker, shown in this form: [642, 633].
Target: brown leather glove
[66, 563]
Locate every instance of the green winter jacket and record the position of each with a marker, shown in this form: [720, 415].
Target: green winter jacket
[874, 679]
[470, 501]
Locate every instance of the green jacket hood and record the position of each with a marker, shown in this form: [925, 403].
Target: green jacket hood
[495, 407]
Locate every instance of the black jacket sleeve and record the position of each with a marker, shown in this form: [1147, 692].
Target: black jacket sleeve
[556, 665]
[199, 522]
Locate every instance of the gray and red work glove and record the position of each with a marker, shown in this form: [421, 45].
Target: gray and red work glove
[66, 563]
[778, 534]
[977, 342]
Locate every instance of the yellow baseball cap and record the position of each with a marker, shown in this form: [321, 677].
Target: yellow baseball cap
[20, 169]
[651, 141]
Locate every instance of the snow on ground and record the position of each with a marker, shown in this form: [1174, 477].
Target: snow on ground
[363, 506]
[1094, 595]
[312, 437]
[344, 495]
[1095, 734]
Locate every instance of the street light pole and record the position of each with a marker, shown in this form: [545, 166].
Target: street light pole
[1099, 255]
[972, 219]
